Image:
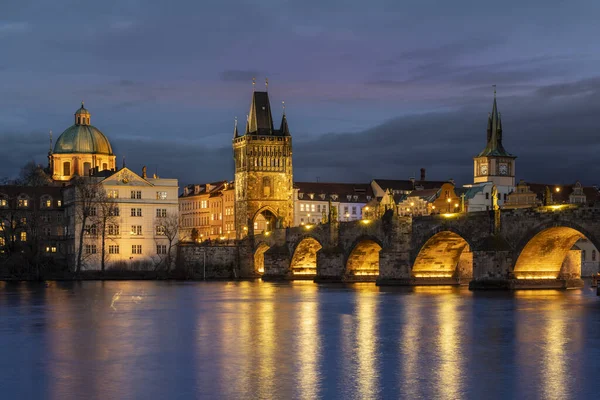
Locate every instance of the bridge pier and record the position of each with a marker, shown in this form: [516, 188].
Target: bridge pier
[277, 264]
[330, 265]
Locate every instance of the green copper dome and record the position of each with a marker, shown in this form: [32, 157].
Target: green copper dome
[83, 139]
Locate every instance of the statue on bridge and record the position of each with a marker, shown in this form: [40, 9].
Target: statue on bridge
[494, 197]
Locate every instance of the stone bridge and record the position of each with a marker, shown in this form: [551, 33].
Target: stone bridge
[489, 249]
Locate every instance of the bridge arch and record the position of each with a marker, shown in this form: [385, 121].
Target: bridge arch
[259, 258]
[446, 254]
[363, 259]
[304, 256]
[546, 252]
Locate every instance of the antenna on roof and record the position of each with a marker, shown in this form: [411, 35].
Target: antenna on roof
[253, 84]
[267, 84]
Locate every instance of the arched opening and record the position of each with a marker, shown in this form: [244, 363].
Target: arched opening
[66, 168]
[264, 221]
[445, 255]
[550, 254]
[304, 260]
[364, 259]
[259, 258]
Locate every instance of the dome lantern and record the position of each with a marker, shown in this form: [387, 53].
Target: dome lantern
[82, 116]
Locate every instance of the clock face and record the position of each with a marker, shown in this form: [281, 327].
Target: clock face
[503, 169]
[483, 169]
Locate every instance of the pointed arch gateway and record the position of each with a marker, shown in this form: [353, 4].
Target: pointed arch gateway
[445, 255]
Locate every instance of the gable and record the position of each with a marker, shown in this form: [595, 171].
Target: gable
[125, 177]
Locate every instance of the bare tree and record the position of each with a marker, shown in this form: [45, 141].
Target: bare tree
[105, 213]
[168, 228]
[32, 174]
[85, 200]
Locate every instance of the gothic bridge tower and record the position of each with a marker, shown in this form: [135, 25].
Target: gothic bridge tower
[494, 164]
[263, 171]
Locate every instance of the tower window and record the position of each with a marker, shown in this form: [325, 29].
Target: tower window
[66, 168]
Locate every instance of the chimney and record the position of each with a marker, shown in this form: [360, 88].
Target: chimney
[208, 187]
[196, 189]
[144, 175]
[422, 174]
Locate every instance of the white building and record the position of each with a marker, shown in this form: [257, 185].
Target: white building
[313, 199]
[136, 214]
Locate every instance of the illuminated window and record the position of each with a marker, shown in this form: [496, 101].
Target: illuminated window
[136, 249]
[161, 195]
[113, 249]
[23, 203]
[312, 207]
[3, 203]
[59, 203]
[113, 194]
[160, 230]
[136, 229]
[161, 249]
[23, 236]
[204, 204]
[2, 241]
[301, 206]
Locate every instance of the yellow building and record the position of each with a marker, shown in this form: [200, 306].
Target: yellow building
[207, 212]
[80, 149]
[447, 201]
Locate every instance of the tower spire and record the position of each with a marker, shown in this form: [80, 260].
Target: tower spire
[235, 130]
[283, 105]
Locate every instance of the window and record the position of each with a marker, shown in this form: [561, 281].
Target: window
[66, 168]
[161, 195]
[113, 229]
[90, 249]
[301, 206]
[3, 203]
[23, 203]
[59, 203]
[161, 249]
[161, 212]
[136, 212]
[312, 207]
[113, 249]
[136, 249]
[353, 210]
[113, 211]
[136, 194]
[318, 208]
[204, 204]
[23, 236]
[93, 211]
[345, 210]
[136, 229]
[160, 230]
[487, 196]
[113, 194]
[91, 230]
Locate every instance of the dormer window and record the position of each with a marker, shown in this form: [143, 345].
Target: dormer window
[334, 196]
[349, 197]
[368, 198]
[312, 196]
[300, 195]
[322, 195]
[355, 198]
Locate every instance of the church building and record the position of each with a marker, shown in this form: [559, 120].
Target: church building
[263, 171]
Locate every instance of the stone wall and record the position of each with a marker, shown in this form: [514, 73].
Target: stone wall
[219, 262]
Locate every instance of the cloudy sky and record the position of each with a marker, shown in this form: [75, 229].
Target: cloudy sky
[375, 88]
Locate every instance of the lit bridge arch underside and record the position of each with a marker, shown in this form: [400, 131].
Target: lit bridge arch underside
[304, 260]
[544, 254]
[441, 255]
[364, 259]
[259, 258]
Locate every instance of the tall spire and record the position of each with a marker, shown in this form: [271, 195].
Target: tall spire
[260, 121]
[50, 136]
[284, 130]
[494, 145]
[235, 130]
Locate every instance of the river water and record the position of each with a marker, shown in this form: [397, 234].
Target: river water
[256, 340]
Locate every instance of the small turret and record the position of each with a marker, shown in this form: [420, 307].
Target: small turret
[82, 116]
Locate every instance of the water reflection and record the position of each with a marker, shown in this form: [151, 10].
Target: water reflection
[262, 340]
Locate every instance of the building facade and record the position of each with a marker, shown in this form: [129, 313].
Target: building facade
[207, 211]
[317, 202]
[32, 224]
[263, 171]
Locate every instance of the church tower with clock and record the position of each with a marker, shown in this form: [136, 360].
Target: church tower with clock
[494, 164]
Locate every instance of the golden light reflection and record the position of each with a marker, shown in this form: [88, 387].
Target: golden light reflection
[411, 335]
[364, 259]
[450, 363]
[259, 258]
[267, 343]
[366, 345]
[304, 260]
[309, 348]
[433, 275]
